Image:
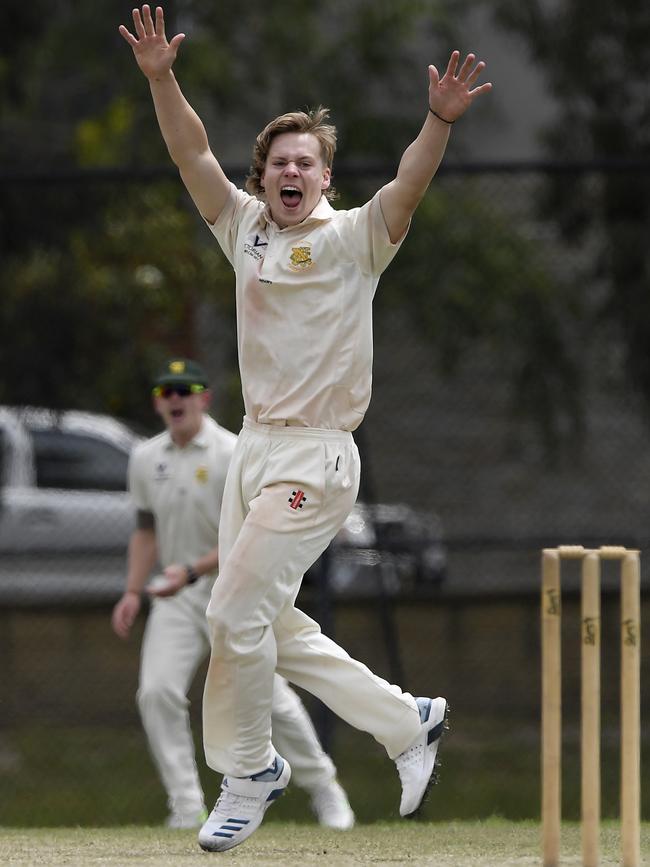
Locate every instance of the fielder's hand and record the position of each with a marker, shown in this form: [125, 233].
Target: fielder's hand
[174, 579]
[124, 614]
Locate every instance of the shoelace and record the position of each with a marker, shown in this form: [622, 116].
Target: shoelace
[228, 803]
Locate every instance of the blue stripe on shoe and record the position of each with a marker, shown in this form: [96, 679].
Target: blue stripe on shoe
[435, 732]
[275, 794]
[219, 834]
[241, 821]
[271, 773]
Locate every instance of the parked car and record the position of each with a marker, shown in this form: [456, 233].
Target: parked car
[65, 518]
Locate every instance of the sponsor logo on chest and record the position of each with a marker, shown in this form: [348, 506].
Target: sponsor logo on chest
[255, 246]
[162, 472]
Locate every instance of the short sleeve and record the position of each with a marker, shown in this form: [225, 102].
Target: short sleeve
[137, 480]
[365, 235]
[226, 227]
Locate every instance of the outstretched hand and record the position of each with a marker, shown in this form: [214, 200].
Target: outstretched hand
[451, 95]
[154, 55]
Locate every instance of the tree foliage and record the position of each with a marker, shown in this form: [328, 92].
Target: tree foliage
[68, 68]
[90, 319]
[490, 293]
[101, 279]
[595, 56]
[98, 279]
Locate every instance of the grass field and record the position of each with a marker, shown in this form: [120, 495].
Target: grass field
[98, 776]
[493, 843]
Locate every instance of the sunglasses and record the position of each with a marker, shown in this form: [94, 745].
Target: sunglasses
[181, 389]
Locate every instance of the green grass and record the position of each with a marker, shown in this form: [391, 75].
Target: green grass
[94, 776]
[76, 780]
[492, 843]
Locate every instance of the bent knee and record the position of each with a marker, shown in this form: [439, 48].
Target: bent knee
[156, 696]
[234, 640]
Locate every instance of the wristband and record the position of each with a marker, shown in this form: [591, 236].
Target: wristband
[192, 575]
[440, 117]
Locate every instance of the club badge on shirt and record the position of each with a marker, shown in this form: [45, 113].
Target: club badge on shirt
[201, 474]
[300, 259]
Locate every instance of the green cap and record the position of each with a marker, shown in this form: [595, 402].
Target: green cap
[181, 370]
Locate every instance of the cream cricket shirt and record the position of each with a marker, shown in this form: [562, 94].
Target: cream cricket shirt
[183, 489]
[304, 309]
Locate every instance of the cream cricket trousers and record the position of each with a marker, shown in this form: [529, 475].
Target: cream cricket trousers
[287, 494]
[175, 643]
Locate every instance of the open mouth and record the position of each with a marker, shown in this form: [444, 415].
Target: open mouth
[291, 196]
[177, 413]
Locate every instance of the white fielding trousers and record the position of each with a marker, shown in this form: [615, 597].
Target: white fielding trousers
[287, 494]
[175, 643]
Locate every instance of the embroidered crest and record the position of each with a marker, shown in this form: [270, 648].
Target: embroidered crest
[300, 259]
[201, 474]
[177, 367]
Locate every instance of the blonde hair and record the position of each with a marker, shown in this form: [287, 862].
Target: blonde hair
[312, 121]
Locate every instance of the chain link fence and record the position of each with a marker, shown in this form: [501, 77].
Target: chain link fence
[502, 420]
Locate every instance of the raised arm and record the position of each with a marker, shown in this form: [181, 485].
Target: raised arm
[181, 127]
[449, 97]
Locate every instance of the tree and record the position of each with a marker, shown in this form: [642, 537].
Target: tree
[595, 55]
[474, 282]
[85, 324]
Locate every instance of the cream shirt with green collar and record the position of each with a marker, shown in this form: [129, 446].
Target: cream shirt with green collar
[304, 309]
[183, 488]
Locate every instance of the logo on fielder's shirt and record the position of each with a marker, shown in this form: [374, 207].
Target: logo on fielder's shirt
[162, 472]
[300, 259]
[297, 499]
[201, 474]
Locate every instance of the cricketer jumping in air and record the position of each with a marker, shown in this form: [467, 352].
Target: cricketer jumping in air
[305, 277]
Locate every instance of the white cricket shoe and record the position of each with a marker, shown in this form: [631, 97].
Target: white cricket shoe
[241, 806]
[332, 808]
[181, 820]
[417, 764]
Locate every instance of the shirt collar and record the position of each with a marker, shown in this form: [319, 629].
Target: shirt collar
[321, 213]
[200, 439]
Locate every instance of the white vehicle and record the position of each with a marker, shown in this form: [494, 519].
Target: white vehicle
[66, 518]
